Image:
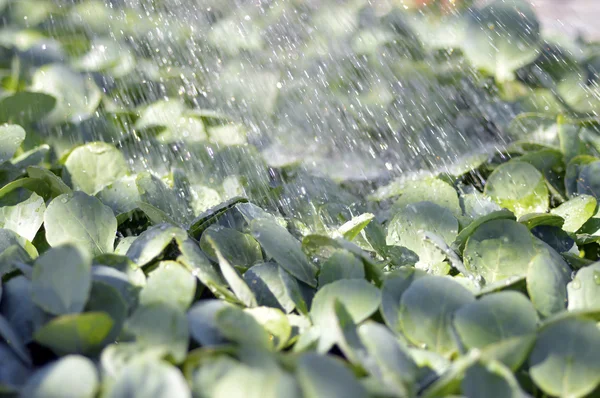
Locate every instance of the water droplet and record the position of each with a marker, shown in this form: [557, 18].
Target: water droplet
[597, 277]
[576, 284]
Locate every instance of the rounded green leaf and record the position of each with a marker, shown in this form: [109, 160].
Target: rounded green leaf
[274, 322]
[502, 37]
[13, 372]
[106, 298]
[493, 380]
[242, 328]
[498, 250]
[45, 176]
[584, 289]
[244, 381]
[284, 249]
[576, 212]
[493, 318]
[241, 250]
[160, 325]
[76, 96]
[203, 324]
[341, 265]
[72, 376]
[519, 187]
[156, 193]
[11, 137]
[426, 311]
[171, 283]
[152, 242]
[565, 360]
[25, 107]
[547, 279]
[391, 293]
[76, 333]
[588, 182]
[143, 379]
[121, 195]
[268, 288]
[95, 165]
[323, 376]
[410, 223]
[360, 298]
[25, 218]
[61, 280]
[81, 220]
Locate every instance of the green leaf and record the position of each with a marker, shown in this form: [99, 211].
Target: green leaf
[576, 212]
[106, 298]
[547, 279]
[125, 284]
[519, 187]
[533, 220]
[25, 218]
[75, 333]
[502, 37]
[584, 289]
[284, 249]
[323, 376]
[426, 311]
[409, 224]
[160, 325]
[588, 182]
[393, 287]
[341, 265]
[18, 308]
[156, 193]
[94, 166]
[241, 250]
[142, 378]
[82, 220]
[293, 290]
[360, 298]
[461, 240]
[246, 381]
[492, 379]
[210, 216]
[275, 323]
[573, 170]
[25, 107]
[56, 185]
[353, 227]
[392, 358]
[511, 352]
[268, 288]
[493, 318]
[498, 250]
[152, 242]
[170, 283]
[242, 328]
[121, 195]
[202, 318]
[61, 280]
[565, 360]
[11, 137]
[77, 97]
[72, 376]
[237, 284]
[193, 258]
[431, 190]
[13, 340]
[13, 372]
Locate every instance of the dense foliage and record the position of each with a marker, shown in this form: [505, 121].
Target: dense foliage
[156, 248]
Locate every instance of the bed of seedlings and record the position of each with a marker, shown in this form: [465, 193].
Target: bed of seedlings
[150, 248]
